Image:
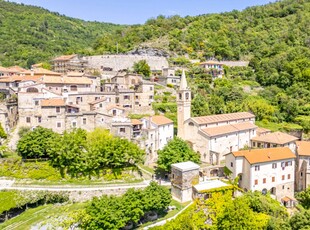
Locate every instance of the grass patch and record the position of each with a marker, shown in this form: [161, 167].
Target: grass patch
[146, 168]
[7, 200]
[286, 127]
[41, 173]
[42, 214]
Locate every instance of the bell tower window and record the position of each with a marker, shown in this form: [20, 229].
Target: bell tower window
[180, 96]
[187, 96]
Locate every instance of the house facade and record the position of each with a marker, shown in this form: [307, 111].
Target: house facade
[266, 170]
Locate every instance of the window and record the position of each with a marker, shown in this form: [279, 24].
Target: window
[122, 130]
[283, 177]
[28, 119]
[289, 176]
[126, 97]
[58, 125]
[264, 181]
[73, 88]
[187, 96]
[274, 165]
[39, 119]
[84, 121]
[151, 97]
[57, 109]
[151, 88]
[256, 182]
[301, 174]
[231, 164]
[257, 168]
[254, 144]
[214, 140]
[289, 163]
[117, 100]
[100, 105]
[73, 124]
[180, 96]
[137, 97]
[36, 102]
[273, 179]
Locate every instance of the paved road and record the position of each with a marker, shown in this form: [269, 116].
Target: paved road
[8, 185]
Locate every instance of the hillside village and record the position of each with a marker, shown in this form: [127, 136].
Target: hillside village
[70, 97]
[201, 134]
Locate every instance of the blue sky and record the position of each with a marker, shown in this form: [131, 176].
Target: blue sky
[138, 11]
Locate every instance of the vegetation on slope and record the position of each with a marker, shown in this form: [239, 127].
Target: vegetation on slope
[31, 34]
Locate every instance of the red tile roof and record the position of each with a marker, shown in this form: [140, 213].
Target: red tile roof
[222, 118]
[303, 148]
[226, 129]
[53, 102]
[161, 120]
[275, 138]
[254, 156]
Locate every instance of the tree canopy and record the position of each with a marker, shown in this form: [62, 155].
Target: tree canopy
[176, 151]
[141, 67]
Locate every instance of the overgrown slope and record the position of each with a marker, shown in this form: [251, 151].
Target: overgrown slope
[30, 34]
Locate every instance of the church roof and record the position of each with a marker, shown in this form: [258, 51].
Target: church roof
[222, 118]
[226, 129]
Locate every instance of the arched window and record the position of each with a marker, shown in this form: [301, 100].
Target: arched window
[180, 96]
[32, 90]
[73, 88]
[191, 124]
[187, 96]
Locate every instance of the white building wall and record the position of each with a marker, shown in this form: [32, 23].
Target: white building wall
[165, 133]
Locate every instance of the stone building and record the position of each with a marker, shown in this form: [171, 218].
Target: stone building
[302, 165]
[124, 62]
[266, 170]
[69, 63]
[214, 68]
[216, 135]
[183, 177]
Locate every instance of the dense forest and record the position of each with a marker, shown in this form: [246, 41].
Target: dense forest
[31, 34]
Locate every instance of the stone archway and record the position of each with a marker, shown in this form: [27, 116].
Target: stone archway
[273, 191]
[264, 191]
[214, 158]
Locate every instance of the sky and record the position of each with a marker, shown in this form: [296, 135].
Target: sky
[138, 11]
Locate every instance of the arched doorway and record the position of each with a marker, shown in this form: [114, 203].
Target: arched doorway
[273, 191]
[214, 173]
[264, 191]
[32, 90]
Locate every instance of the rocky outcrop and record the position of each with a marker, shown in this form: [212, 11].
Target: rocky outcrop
[149, 52]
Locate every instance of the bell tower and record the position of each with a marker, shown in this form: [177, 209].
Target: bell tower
[184, 105]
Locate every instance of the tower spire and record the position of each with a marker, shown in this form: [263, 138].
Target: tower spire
[183, 83]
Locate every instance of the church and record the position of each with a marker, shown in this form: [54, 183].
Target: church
[216, 135]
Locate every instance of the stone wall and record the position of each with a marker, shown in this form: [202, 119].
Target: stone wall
[120, 62]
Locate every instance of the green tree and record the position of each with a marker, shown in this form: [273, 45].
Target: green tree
[238, 215]
[141, 67]
[304, 198]
[176, 151]
[35, 144]
[301, 221]
[156, 197]
[2, 132]
[68, 153]
[199, 106]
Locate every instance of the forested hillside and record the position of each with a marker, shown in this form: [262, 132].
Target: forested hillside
[30, 34]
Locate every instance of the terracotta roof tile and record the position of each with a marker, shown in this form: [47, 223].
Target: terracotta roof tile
[52, 102]
[114, 107]
[161, 120]
[303, 148]
[254, 156]
[226, 129]
[40, 71]
[262, 131]
[136, 122]
[64, 57]
[222, 118]
[67, 80]
[275, 138]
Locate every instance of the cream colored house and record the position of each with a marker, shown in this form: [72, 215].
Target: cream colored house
[266, 170]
